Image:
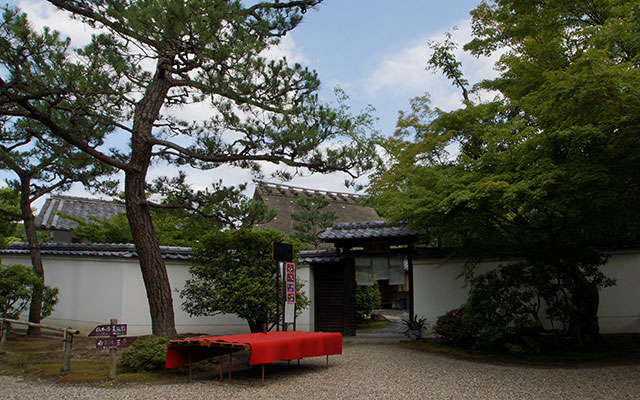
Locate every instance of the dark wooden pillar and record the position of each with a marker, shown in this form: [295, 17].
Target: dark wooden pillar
[349, 298]
[411, 294]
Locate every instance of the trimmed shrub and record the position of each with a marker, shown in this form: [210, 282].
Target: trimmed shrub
[368, 298]
[146, 354]
[453, 329]
[17, 284]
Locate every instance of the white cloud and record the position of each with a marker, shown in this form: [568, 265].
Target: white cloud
[402, 74]
[286, 48]
[41, 14]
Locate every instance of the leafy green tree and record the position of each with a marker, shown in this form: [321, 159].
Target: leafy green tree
[312, 219]
[234, 273]
[102, 230]
[199, 51]
[17, 286]
[368, 298]
[545, 171]
[183, 216]
[38, 165]
[9, 208]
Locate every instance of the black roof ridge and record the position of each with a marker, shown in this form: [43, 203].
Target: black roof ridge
[91, 246]
[261, 184]
[367, 224]
[111, 250]
[68, 197]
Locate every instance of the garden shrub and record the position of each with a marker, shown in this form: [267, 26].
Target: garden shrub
[146, 354]
[17, 284]
[503, 307]
[454, 329]
[368, 298]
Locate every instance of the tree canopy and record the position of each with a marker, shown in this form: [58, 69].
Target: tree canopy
[234, 273]
[312, 219]
[545, 171]
[201, 52]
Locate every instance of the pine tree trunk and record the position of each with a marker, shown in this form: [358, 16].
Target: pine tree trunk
[255, 327]
[35, 307]
[152, 266]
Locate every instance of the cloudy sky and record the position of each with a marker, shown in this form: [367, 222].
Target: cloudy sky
[376, 50]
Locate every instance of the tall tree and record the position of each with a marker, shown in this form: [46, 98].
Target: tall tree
[200, 51]
[41, 164]
[312, 219]
[234, 273]
[548, 169]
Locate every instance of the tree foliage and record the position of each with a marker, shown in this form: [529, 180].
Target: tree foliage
[182, 216]
[10, 203]
[547, 170]
[368, 298]
[17, 285]
[312, 219]
[234, 273]
[201, 52]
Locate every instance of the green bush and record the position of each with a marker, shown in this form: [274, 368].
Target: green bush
[368, 298]
[504, 306]
[17, 284]
[453, 329]
[146, 354]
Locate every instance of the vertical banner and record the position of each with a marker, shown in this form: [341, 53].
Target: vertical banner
[290, 281]
[290, 292]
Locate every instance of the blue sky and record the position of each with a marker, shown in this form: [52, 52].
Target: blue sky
[376, 50]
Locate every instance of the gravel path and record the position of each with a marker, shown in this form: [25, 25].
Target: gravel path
[370, 371]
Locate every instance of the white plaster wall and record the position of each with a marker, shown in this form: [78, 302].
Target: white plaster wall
[436, 290]
[90, 291]
[304, 321]
[95, 290]
[619, 309]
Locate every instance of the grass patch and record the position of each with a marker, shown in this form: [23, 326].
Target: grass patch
[368, 325]
[615, 349]
[42, 358]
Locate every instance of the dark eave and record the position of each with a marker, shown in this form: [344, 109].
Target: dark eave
[353, 233]
[96, 250]
[322, 256]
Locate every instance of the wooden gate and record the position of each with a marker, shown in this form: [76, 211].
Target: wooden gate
[335, 298]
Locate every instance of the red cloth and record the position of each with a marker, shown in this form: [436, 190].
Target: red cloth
[267, 347]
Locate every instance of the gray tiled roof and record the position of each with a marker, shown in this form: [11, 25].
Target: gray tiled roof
[126, 250]
[319, 256]
[49, 219]
[366, 230]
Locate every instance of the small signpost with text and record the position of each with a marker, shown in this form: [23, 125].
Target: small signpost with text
[290, 293]
[116, 340]
[285, 285]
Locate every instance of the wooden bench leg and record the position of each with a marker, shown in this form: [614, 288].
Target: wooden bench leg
[220, 367]
[230, 362]
[190, 379]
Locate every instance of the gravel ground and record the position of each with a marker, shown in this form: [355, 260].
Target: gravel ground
[369, 371]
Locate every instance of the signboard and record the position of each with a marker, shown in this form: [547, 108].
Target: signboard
[109, 330]
[282, 251]
[290, 282]
[115, 342]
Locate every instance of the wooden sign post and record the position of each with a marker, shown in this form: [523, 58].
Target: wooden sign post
[282, 252]
[113, 342]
